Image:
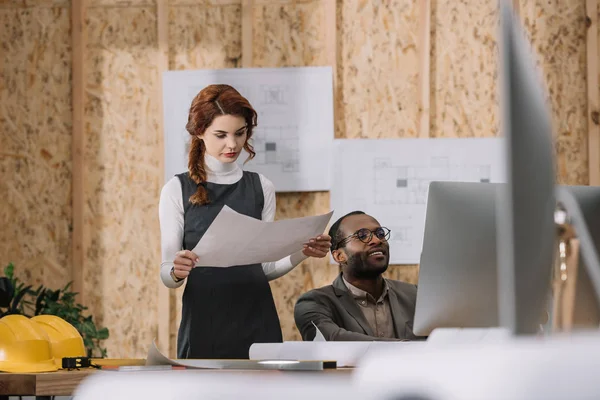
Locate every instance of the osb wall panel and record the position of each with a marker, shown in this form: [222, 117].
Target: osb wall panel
[201, 37]
[204, 37]
[379, 68]
[464, 102]
[122, 175]
[35, 142]
[464, 73]
[291, 35]
[558, 34]
[406, 273]
[379, 77]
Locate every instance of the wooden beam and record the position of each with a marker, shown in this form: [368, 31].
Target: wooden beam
[424, 67]
[593, 92]
[164, 294]
[59, 383]
[331, 47]
[247, 32]
[80, 234]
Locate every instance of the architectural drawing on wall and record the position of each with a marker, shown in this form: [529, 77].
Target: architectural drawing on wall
[294, 109]
[389, 179]
[400, 234]
[396, 182]
[274, 94]
[279, 145]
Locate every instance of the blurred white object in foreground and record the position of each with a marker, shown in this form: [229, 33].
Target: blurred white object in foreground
[217, 384]
[559, 367]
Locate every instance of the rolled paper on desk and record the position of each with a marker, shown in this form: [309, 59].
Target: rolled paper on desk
[346, 354]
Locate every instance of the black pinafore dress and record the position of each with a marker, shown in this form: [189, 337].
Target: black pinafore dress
[224, 310]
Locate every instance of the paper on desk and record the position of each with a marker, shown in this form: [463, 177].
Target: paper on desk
[318, 335]
[237, 239]
[155, 357]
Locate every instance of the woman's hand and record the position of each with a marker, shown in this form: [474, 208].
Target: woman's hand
[183, 263]
[317, 247]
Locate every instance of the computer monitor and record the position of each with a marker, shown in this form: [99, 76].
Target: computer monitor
[458, 274]
[458, 280]
[526, 230]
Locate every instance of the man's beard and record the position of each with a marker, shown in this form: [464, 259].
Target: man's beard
[361, 269]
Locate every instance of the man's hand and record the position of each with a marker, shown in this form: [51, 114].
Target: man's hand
[183, 263]
[317, 247]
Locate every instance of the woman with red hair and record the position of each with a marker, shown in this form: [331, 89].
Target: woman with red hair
[225, 310]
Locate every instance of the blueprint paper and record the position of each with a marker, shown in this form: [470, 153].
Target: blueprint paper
[295, 121]
[389, 179]
[318, 335]
[237, 239]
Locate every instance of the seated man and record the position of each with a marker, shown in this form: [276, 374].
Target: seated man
[360, 305]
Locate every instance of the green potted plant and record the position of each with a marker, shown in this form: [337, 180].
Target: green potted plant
[18, 298]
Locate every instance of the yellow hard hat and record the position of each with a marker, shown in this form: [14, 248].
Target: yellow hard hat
[65, 340]
[24, 346]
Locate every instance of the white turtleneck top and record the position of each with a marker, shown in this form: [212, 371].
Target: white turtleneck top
[171, 212]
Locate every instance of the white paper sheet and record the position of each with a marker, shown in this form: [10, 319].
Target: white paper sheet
[318, 335]
[155, 357]
[237, 239]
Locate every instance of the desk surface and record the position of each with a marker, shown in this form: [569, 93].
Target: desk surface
[63, 383]
[60, 383]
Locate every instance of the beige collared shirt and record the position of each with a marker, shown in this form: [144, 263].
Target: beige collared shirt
[377, 312]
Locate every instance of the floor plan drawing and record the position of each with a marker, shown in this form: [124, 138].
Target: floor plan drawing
[277, 146]
[399, 183]
[389, 180]
[274, 94]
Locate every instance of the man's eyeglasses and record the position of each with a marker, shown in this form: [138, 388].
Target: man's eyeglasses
[365, 235]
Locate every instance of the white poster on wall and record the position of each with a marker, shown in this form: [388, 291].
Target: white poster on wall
[389, 179]
[293, 139]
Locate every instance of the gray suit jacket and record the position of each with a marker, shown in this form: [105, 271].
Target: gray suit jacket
[335, 312]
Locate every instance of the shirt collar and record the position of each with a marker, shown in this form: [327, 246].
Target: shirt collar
[217, 167]
[361, 294]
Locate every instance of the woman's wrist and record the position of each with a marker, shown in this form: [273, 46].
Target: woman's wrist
[175, 277]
